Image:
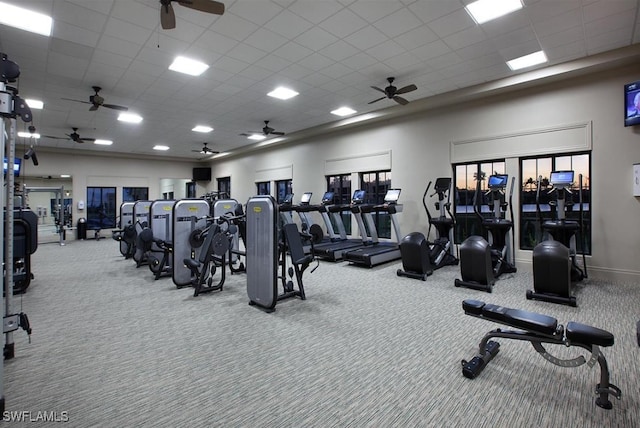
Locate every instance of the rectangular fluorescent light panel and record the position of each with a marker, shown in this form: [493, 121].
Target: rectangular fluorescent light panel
[188, 66]
[28, 135]
[343, 111]
[103, 142]
[25, 19]
[202, 128]
[527, 61]
[282, 93]
[130, 117]
[36, 104]
[256, 137]
[485, 10]
[161, 148]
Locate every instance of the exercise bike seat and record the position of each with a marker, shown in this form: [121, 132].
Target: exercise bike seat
[586, 334]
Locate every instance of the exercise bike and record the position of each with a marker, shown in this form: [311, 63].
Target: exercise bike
[555, 267]
[421, 257]
[482, 261]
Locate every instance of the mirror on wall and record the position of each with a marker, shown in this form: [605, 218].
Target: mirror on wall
[174, 188]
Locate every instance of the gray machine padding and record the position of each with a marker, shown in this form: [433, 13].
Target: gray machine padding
[222, 207]
[126, 219]
[262, 251]
[141, 212]
[188, 215]
[161, 223]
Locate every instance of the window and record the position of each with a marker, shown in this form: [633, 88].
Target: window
[263, 188]
[465, 176]
[224, 187]
[284, 188]
[340, 185]
[376, 184]
[132, 194]
[101, 208]
[533, 168]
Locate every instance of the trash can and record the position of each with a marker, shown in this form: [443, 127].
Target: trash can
[82, 228]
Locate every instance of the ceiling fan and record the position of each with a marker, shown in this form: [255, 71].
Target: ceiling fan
[392, 92]
[266, 131]
[168, 17]
[206, 150]
[97, 101]
[74, 136]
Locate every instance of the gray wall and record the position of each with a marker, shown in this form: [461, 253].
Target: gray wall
[581, 113]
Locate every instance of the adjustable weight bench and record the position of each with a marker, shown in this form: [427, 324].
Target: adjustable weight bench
[538, 329]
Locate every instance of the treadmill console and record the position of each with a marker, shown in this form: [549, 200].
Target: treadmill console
[561, 178]
[327, 198]
[306, 198]
[358, 197]
[442, 184]
[498, 181]
[392, 196]
[288, 199]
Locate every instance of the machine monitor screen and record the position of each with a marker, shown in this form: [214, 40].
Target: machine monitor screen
[288, 198]
[306, 197]
[17, 164]
[358, 196]
[561, 178]
[327, 197]
[392, 195]
[632, 104]
[498, 181]
[442, 184]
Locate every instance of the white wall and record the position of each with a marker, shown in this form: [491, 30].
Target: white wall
[420, 148]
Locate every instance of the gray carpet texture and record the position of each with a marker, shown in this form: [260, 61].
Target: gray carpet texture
[112, 347]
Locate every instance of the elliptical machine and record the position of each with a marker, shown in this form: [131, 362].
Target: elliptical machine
[482, 262]
[421, 257]
[555, 267]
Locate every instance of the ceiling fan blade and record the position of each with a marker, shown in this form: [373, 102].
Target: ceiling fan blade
[378, 89]
[55, 138]
[400, 100]
[276, 133]
[115, 107]
[94, 107]
[208, 6]
[406, 89]
[167, 17]
[375, 101]
[78, 101]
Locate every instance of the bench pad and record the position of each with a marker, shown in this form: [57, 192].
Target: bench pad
[582, 333]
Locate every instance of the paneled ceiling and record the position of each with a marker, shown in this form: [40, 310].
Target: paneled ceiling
[331, 52]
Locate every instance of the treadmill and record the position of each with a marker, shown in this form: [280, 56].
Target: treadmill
[378, 252]
[333, 251]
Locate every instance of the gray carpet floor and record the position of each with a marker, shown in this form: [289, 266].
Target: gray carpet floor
[112, 347]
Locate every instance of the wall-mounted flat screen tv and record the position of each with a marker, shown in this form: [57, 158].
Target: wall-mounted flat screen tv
[632, 104]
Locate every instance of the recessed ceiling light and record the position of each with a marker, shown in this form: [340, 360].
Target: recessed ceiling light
[485, 10]
[282, 93]
[202, 128]
[103, 142]
[188, 66]
[28, 135]
[25, 19]
[343, 111]
[130, 117]
[160, 147]
[527, 60]
[256, 137]
[36, 104]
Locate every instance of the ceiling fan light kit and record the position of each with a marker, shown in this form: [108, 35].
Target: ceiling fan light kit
[392, 92]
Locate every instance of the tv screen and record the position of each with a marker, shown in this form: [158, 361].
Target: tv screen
[17, 166]
[632, 104]
[201, 174]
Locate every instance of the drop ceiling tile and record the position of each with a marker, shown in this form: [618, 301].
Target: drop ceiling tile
[66, 65]
[146, 68]
[602, 9]
[432, 10]
[137, 13]
[547, 9]
[403, 61]
[464, 38]
[292, 52]
[385, 50]
[229, 64]
[78, 16]
[256, 73]
[568, 36]
[72, 49]
[372, 11]
[336, 70]
[246, 53]
[316, 79]
[315, 62]
[607, 41]
[559, 23]
[265, 40]
[339, 51]
[612, 22]
[234, 27]
[415, 38]
[127, 31]
[523, 35]
[343, 23]
[258, 12]
[216, 42]
[444, 61]
[288, 24]
[167, 44]
[315, 11]
[561, 52]
[102, 6]
[366, 37]
[398, 23]
[516, 51]
[359, 60]
[75, 34]
[273, 63]
[451, 23]
[431, 50]
[295, 71]
[315, 39]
